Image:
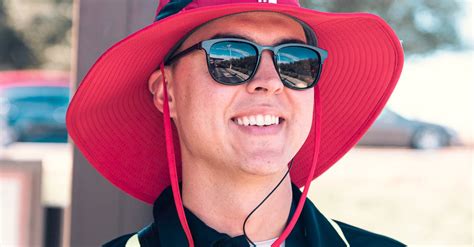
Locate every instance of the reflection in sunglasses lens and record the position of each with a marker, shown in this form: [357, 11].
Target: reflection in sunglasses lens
[232, 62]
[298, 66]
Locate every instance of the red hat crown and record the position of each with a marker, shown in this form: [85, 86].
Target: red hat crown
[167, 8]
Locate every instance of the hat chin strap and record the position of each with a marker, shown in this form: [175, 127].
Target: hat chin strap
[174, 175]
[317, 140]
[172, 162]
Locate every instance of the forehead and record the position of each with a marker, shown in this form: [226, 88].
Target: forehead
[264, 28]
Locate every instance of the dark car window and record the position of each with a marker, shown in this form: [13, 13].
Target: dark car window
[23, 92]
[36, 113]
[51, 100]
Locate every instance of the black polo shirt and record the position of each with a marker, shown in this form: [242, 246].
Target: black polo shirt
[312, 229]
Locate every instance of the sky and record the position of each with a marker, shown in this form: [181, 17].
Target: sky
[467, 24]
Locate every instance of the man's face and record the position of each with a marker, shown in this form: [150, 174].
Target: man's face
[207, 113]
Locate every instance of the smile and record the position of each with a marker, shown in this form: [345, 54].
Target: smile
[258, 120]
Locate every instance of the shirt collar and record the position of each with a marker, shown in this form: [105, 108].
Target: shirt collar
[311, 229]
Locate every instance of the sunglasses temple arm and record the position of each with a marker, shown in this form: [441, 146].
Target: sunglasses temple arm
[183, 53]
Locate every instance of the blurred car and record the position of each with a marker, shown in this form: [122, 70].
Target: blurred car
[33, 106]
[391, 129]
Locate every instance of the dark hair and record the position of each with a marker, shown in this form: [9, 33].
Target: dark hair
[308, 33]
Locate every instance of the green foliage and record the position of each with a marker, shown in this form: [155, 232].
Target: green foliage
[43, 38]
[14, 51]
[39, 34]
[423, 25]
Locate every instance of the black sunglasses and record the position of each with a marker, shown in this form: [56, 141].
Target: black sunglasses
[233, 61]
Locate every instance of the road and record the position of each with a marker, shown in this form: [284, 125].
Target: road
[418, 197]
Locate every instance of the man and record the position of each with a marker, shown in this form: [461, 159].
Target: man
[255, 91]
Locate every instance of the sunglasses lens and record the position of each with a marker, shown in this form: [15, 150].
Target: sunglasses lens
[232, 62]
[298, 66]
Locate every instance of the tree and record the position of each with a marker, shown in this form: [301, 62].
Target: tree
[14, 51]
[44, 40]
[40, 33]
[423, 25]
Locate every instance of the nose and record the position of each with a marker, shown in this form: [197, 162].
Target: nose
[266, 78]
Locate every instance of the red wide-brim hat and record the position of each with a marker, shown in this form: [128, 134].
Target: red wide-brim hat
[113, 121]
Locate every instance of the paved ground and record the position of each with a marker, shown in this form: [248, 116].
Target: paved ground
[419, 197]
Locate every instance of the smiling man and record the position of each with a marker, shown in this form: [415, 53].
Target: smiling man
[249, 102]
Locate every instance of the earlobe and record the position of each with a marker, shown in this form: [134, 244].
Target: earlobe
[155, 85]
[153, 81]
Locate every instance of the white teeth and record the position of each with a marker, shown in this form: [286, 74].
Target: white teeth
[259, 120]
[246, 121]
[253, 121]
[268, 119]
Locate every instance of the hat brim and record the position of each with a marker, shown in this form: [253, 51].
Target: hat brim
[113, 121]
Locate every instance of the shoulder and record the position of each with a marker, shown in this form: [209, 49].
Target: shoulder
[120, 241]
[360, 237]
[144, 238]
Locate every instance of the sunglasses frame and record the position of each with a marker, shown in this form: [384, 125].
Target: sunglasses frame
[207, 44]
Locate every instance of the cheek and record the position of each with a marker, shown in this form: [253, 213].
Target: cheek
[197, 91]
[201, 119]
[305, 107]
[190, 81]
[200, 103]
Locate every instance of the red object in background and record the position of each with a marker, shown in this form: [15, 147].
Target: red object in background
[34, 77]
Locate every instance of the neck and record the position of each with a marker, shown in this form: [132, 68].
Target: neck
[223, 202]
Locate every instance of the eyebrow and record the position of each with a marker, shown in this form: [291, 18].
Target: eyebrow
[239, 36]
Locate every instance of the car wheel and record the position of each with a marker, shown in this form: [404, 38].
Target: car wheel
[428, 138]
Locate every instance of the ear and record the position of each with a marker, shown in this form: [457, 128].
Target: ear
[155, 85]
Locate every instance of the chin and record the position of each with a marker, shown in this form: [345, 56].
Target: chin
[266, 167]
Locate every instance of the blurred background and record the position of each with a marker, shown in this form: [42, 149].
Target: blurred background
[410, 177]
